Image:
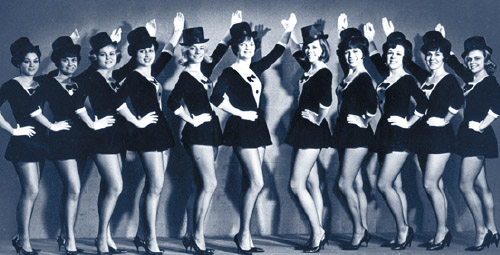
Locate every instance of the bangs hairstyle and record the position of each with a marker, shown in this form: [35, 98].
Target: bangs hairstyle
[18, 59]
[235, 43]
[393, 43]
[442, 46]
[489, 65]
[57, 56]
[133, 49]
[325, 55]
[357, 42]
[184, 60]
[93, 55]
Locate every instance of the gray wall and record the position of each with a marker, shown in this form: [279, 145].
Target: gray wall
[276, 211]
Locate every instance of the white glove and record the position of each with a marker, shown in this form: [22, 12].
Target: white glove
[150, 118]
[249, 115]
[60, 125]
[342, 23]
[75, 36]
[387, 26]
[236, 17]
[369, 31]
[440, 29]
[289, 24]
[116, 35]
[310, 116]
[357, 120]
[105, 122]
[26, 130]
[474, 125]
[200, 119]
[436, 122]
[151, 27]
[179, 22]
[398, 121]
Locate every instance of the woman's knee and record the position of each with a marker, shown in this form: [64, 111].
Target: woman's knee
[297, 187]
[155, 187]
[384, 186]
[115, 188]
[73, 192]
[466, 187]
[345, 187]
[210, 186]
[312, 184]
[30, 191]
[431, 186]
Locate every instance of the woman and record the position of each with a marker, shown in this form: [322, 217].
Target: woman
[353, 134]
[68, 149]
[238, 92]
[309, 131]
[392, 135]
[153, 141]
[26, 148]
[476, 139]
[202, 134]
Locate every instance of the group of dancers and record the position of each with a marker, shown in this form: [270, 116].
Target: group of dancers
[72, 135]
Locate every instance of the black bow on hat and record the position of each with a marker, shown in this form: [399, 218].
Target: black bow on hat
[312, 33]
[99, 41]
[19, 49]
[139, 38]
[193, 36]
[475, 43]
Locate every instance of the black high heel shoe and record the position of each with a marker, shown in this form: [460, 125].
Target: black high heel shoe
[19, 249]
[486, 242]
[116, 250]
[241, 251]
[352, 247]
[495, 238]
[186, 243]
[439, 246]
[15, 244]
[318, 248]
[406, 243]
[303, 247]
[426, 244]
[197, 249]
[61, 242]
[389, 243]
[99, 251]
[149, 252]
[138, 242]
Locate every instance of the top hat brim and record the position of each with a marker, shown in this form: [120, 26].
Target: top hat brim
[464, 54]
[312, 39]
[96, 50]
[192, 43]
[253, 34]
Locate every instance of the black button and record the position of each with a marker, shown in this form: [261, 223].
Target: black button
[256, 91]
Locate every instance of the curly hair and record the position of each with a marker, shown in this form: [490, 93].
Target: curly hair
[395, 42]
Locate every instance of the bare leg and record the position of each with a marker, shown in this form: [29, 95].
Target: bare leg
[251, 163]
[351, 163]
[471, 167]
[203, 158]
[486, 196]
[111, 186]
[68, 171]
[29, 174]
[393, 163]
[313, 186]
[362, 200]
[304, 161]
[435, 166]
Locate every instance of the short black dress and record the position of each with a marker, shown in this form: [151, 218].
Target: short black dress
[145, 96]
[195, 95]
[314, 90]
[23, 103]
[244, 94]
[394, 100]
[358, 98]
[481, 99]
[63, 101]
[444, 96]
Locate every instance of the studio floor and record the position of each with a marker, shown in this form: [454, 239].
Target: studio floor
[282, 244]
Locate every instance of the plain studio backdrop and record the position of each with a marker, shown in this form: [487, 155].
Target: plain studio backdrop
[277, 211]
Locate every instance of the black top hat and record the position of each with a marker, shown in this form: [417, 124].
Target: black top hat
[63, 45]
[433, 40]
[396, 35]
[99, 41]
[21, 47]
[240, 31]
[139, 38]
[347, 33]
[193, 36]
[312, 33]
[475, 43]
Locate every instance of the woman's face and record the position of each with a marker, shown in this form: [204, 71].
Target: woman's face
[395, 57]
[434, 59]
[30, 64]
[68, 65]
[354, 57]
[106, 57]
[196, 52]
[246, 49]
[475, 61]
[146, 56]
[313, 51]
